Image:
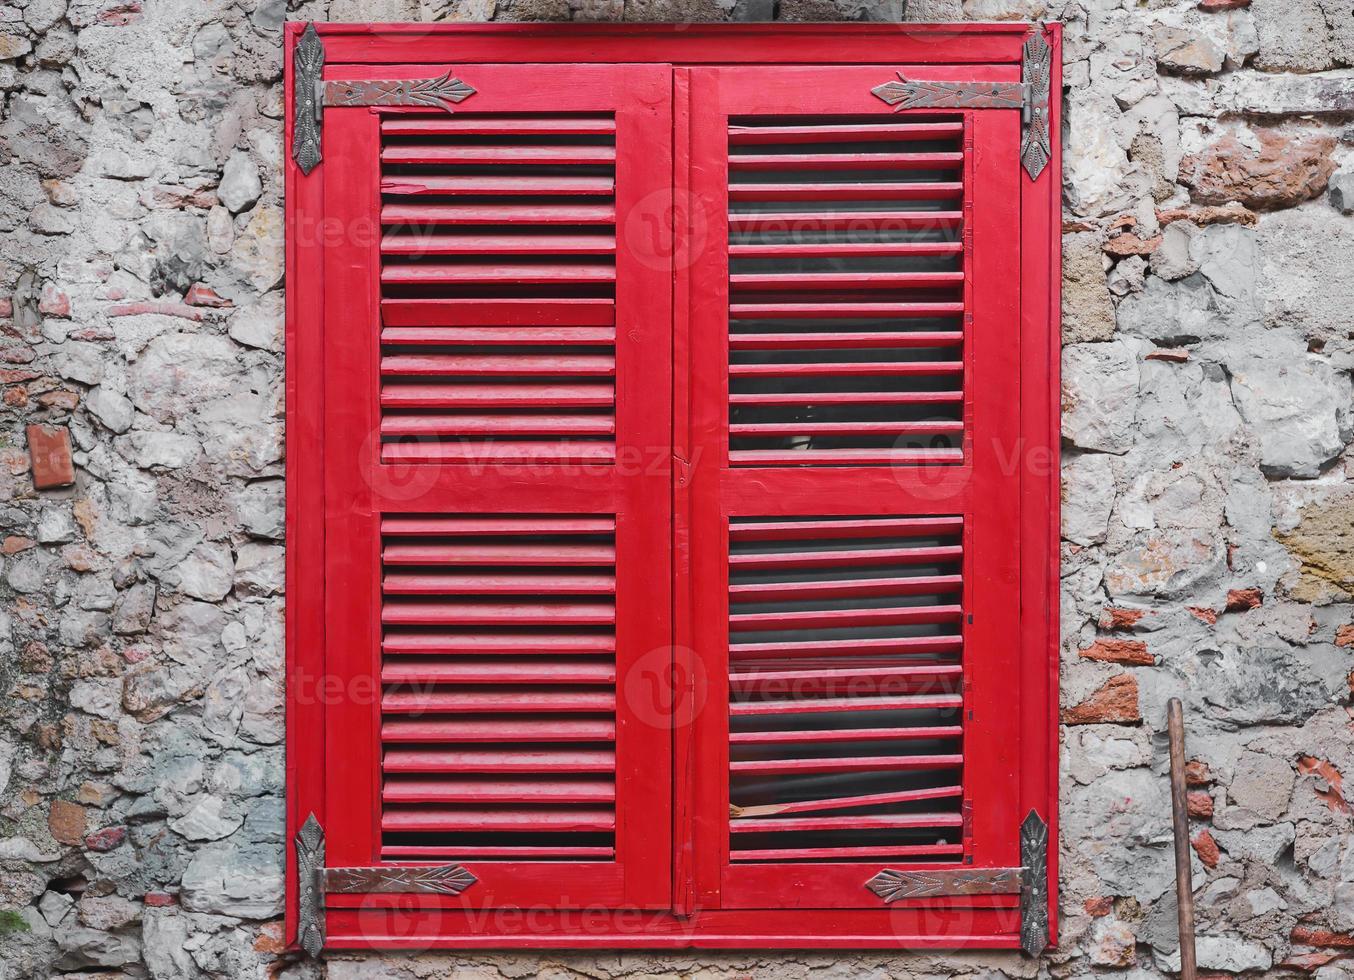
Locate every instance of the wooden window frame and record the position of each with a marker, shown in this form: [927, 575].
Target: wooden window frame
[953, 52]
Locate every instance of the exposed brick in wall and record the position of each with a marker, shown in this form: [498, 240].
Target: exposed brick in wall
[1208, 495]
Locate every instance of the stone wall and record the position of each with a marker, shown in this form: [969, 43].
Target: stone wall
[1209, 486]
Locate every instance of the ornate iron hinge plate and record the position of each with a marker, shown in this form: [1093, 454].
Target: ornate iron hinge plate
[310, 94]
[1033, 884]
[1029, 881]
[1029, 95]
[314, 881]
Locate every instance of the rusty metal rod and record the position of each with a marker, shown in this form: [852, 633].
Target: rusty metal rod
[1184, 879]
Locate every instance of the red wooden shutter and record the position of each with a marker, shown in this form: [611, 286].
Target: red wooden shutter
[667, 530]
[853, 521]
[497, 405]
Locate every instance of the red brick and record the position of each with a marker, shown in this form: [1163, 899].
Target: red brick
[1132, 652]
[1200, 804]
[66, 821]
[1117, 618]
[163, 309]
[1098, 906]
[1317, 936]
[1240, 600]
[1122, 246]
[14, 544]
[54, 302]
[1203, 614]
[6, 307]
[1344, 635]
[60, 398]
[1285, 170]
[1334, 793]
[1214, 6]
[1207, 849]
[271, 939]
[1197, 773]
[16, 375]
[49, 447]
[119, 14]
[159, 900]
[1115, 702]
[200, 295]
[106, 839]
[16, 396]
[1309, 962]
[1174, 355]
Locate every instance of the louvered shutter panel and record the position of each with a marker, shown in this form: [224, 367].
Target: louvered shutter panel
[497, 389]
[853, 377]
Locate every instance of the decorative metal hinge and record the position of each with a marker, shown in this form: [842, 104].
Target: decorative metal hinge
[1033, 884]
[1029, 881]
[1029, 95]
[314, 881]
[310, 94]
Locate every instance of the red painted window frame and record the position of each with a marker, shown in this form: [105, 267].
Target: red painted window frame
[954, 52]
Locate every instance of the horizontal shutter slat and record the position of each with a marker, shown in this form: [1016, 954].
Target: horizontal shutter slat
[494, 244]
[877, 191]
[499, 761]
[472, 275]
[841, 132]
[806, 705]
[499, 213]
[477, 125]
[847, 853]
[425, 789]
[497, 336]
[818, 340]
[401, 552]
[473, 396]
[497, 312]
[844, 735]
[500, 184]
[847, 764]
[467, 702]
[498, 730]
[494, 366]
[839, 250]
[506, 644]
[843, 161]
[831, 220]
[487, 820]
[489, 156]
[469, 671]
[434, 584]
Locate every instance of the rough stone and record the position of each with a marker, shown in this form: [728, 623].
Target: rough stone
[259, 324]
[1224, 953]
[1100, 390]
[1322, 542]
[1298, 287]
[1342, 192]
[1087, 498]
[240, 880]
[1298, 412]
[240, 186]
[206, 573]
[1088, 313]
[1184, 52]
